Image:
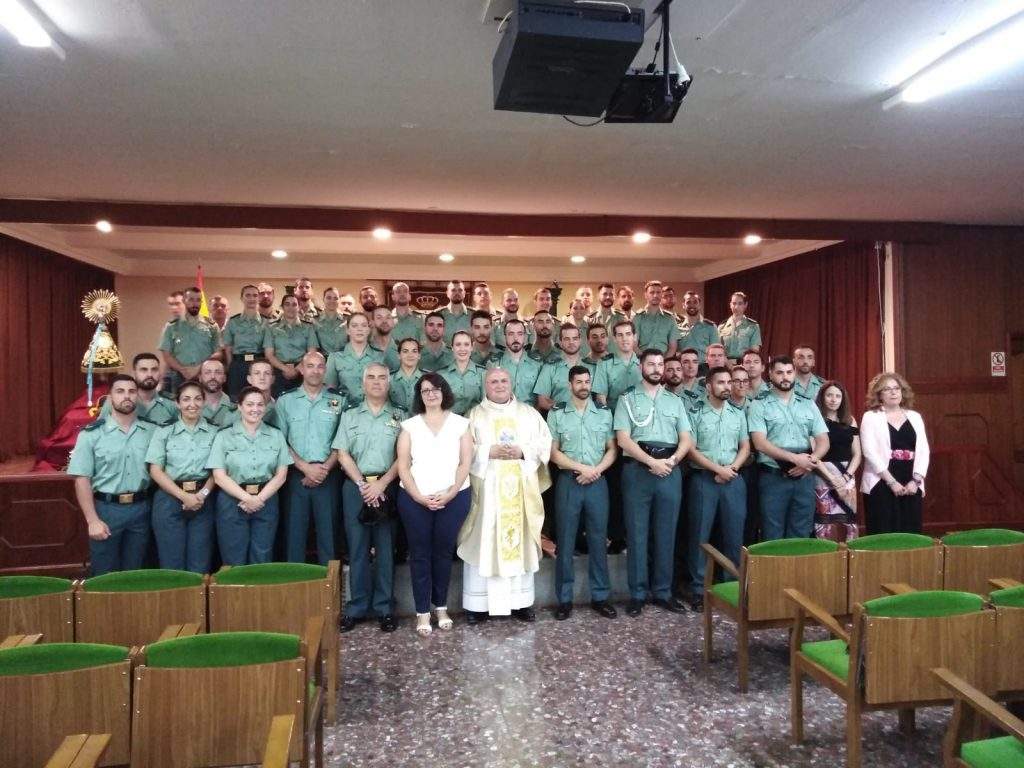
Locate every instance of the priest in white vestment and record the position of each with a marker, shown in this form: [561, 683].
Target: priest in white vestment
[500, 540]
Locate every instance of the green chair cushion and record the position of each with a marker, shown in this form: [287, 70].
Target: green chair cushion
[1013, 597]
[58, 657]
[1003, 752]
[144, 580]
[833, 655]
[31, 586]
[223, 649]
[792, 547]
[983, 537]
[728, 591]
[270, 573]
[880, 541]
[924, 604]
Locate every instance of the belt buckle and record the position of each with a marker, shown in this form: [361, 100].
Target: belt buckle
[252, 489]
[189, 486]
[371, 478]
[125, 498]
[249, 358]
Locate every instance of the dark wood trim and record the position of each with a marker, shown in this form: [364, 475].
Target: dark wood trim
[457, 222]
[962, 385]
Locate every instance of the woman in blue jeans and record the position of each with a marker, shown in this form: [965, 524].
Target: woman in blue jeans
[435, 449]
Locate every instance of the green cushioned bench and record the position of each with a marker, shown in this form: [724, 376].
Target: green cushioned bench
[270, 573]
[728, 591]
[890, 541]
[1002, 752]
[792, 547]
[58, 657]
[1012, 597]
[983, 537]
[919, 605]
[13, 587]
[143, 580]
[222, 649]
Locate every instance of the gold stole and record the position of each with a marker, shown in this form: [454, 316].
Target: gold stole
[510, 496]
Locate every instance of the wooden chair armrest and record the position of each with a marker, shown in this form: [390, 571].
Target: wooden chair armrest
[189, 630]
[279, 741]
[819, 614]
[170, 632]
[80, 751]
[1003, 583]
[980, 703]
[897, 588]
[722, 561]
[19, 641]
[311, 640]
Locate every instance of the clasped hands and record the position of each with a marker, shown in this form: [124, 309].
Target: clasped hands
[505, 452]
[314, 473]
[804, 464]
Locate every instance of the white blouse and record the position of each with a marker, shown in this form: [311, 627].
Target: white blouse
[435, 458]
[874, 442]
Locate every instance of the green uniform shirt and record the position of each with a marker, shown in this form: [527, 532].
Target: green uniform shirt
[542, 357]
[763, 388]
[467, 386]
[593, 365]
[369, 438]
[487, 359]
[190, 339]
[691, 396]
[663, 426]
[431, 362]
[290, 341]
[249, 458]
[345, 370]
[402, 389]
[114, 460]
[331, 332]
[718, 433]
[739, 337]
[453, 323]
[244, 335]
[222, 414]
[524, 374]
[655, 330]
[408, 327]
[582, 436]
[388, 355]
[553, 380]
[159, 411]
[698, 336]
[308, 424]
[615, 376]
[789, 426]
[812, 389]
[181, 451]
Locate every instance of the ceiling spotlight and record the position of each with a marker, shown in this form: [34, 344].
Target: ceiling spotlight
[20, 23]
[279, 254]
[577, 259]
[382, 233]
[751, 239]
[447, 258]
[104, 226]
[640, 237]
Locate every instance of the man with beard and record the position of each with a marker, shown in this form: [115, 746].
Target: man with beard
[653, 431]
[347, 304]
[674, 375]
[625, 297]
[740, 396]
[553, 383]
[695, 331]
[481, 326]
[783, 425]
[243, 339]
[620, 372]
[543, 327]
[309, 419]
[543, 302]
[219, 311]
[267, 310]
[331, 326]
[606, 315]
[434, 355]
[510, 305]
[739, 333]
[112, 484]
[308, 310]
[753, 364]
[690, 386]
[408, 324]
[217, 406]
[655, 329]
[668, 303]
[382, 340]
[807, 382]
[521, 368]
[186, 342]
[456, 313]
[368, 298]
[597, 340]
[150, 406]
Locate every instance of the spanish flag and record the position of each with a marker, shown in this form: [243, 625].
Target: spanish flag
[204, 308]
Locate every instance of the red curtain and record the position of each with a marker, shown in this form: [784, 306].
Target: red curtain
[827, 298]
[43, 336]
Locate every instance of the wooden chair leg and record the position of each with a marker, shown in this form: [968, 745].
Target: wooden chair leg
[796, 702]
[318, 740]
[707, 632]
[332, 684]
[743, 652]
[959, 724]
[853, 732]
[907, 721]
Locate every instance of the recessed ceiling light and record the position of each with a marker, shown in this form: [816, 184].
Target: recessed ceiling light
[279, 254]
[104, 226]
[382, 233]
[640, 237]
[447, 257]
[751, 239]
[20, 23]
[577, 259]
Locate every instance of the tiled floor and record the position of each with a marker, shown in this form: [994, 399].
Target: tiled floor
[593, 692]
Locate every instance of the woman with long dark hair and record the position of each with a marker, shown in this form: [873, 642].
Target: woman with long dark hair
[835, 512]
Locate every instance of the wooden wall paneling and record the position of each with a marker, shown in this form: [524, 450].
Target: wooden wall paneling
[41, 526]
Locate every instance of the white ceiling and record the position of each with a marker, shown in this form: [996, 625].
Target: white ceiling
[387, 103]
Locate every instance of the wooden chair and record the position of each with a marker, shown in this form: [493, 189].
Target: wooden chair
[968, 704]
[279, 741]
[1008, 602]
[52, 689]
[974, 557]
[885, 660]
[134, 607]
[209, 700]
[892, 557]
[37, 605]
[280, 597]
[755, 600]
[82, 750]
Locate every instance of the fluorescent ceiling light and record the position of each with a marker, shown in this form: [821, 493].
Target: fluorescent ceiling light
[104, 226]
[447, 258]
[996, 48]
[577, 259]
[751, 239]
[382, 233]
[640, 237]
[279, 254]
[23, 25]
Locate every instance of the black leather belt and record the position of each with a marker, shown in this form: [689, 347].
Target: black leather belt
[124, 498]
[251, 357]
[254, 488]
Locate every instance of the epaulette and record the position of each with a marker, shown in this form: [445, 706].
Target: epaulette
[304, 320]
[145, 424]
[608, 356]
[552, 361]
[601, 406]
[481, 367]
[95, 425]
[333, 391]
[237, 314]
[558, 407]
[762, 395]
[709, 322]
[226, 426]
[350, 406]
[630, 389]
[801, 397]
[494, 357]
[731, 404]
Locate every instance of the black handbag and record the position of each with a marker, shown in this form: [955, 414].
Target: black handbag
[381, 512]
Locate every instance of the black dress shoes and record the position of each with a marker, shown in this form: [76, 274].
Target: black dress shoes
[672, 604]
[696, 603]
[563, 612]
[604, 608]
[634, 607]
[525, 614]
[348, 623]
[617, 546]
[473, 618]
[388, 623]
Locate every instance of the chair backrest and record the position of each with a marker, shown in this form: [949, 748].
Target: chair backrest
[209, 700]
[903, 637]
[974, 557]
[37, 605]
[50, 690]
[883, 558]
[814, 566]
[134, 607]
[1009, 606]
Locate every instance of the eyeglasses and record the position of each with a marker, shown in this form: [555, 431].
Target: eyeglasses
[430, 391]
[741, 382]
[891, 389]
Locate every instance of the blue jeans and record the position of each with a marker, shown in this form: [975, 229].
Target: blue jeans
[787, 505]
[368, 591]
[125, 548]
[708, 500]
[651, 508]
[321, 502]
[432, 537]
[183, 543]
[572, 500]
[245, 538]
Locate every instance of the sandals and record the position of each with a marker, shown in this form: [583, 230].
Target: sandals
[443, 619]
[423, 627]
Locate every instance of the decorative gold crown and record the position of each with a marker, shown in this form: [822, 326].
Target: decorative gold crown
[427, 302]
